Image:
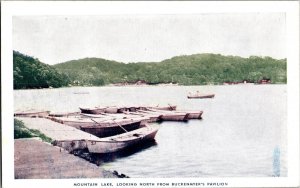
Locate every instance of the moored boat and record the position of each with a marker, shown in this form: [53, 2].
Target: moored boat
[195, 114]
[168, 115]
[101, 127]
[175, 117]
[105, 129]
[95, 110]
[122, 141]
[191, 114]
[150, 117]
[111, 109]
[170, 107]
[200, 96]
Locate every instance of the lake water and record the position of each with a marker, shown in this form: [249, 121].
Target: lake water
[242, 133]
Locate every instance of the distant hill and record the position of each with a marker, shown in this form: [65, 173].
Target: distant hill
[31, 73]
[197, 69]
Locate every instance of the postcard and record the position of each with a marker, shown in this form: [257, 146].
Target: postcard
[150, 94]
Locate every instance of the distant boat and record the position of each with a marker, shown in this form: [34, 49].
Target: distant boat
[122, 141]
[200, 96]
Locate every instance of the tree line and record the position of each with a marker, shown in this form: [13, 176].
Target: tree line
[29, 72]
[197, 69]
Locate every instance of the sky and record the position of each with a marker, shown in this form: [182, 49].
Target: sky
[149, 38]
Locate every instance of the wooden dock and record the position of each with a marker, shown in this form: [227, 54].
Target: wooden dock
[35, 159]
[64, 136]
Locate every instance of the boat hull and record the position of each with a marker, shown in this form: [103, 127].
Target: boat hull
[169, 108]
[112, 130]
[101, 128]
[200, 96]
[175, 117]
[92, 110]
[117, 143]
[195, 115]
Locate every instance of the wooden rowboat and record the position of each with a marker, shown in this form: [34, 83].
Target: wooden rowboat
[169, 108]
[122, 141]
[111, 109]
[195, 114]
[175, 117]
[96, 110]
[99, 110]
[198, 96]
[101, 127]
[112, 128]
[149, 117]
[168, 115]
[191, 114]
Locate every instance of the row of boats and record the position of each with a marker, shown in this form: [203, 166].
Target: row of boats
[116, 127]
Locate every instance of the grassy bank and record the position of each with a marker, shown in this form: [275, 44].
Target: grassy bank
[21, 131]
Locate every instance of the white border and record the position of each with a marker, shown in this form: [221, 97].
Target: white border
[9, 9]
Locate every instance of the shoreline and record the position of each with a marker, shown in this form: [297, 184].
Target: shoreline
[158, 85]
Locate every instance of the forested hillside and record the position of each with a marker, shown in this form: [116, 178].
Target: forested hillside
[31, 73]
[185, 70]
[198, 69]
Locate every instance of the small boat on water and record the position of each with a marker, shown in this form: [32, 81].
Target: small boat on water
[32, 113]
[122, 141]
[200, 96]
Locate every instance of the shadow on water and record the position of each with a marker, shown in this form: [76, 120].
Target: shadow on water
[102, 158]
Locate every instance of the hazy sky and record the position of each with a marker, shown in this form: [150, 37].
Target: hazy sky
[133, 38]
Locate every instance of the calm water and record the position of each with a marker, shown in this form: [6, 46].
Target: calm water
[242, 134]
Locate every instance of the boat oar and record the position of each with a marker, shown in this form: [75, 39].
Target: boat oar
[171, 107]
[120, 126]
[95, 121]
